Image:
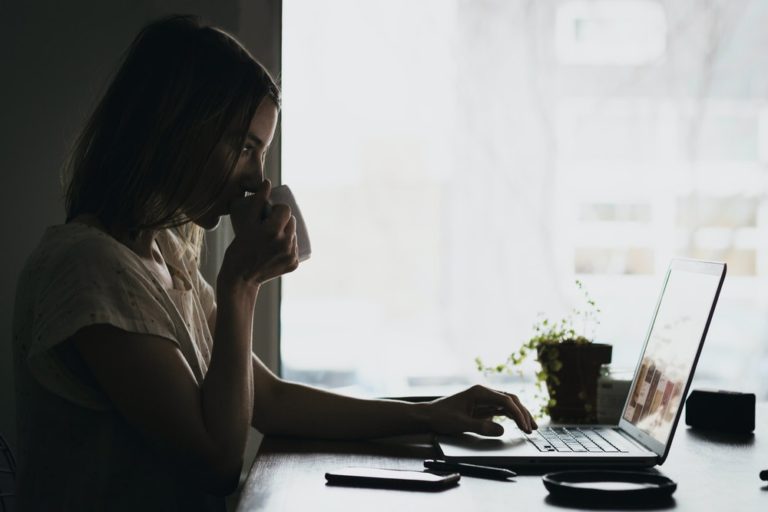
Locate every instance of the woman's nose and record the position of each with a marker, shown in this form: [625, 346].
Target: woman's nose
[252, 179]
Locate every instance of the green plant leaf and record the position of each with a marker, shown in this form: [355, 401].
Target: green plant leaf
[547, 334]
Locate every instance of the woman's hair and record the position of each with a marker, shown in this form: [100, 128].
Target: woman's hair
[144, 159]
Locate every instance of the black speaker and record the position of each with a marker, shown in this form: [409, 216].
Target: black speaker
[725, 411]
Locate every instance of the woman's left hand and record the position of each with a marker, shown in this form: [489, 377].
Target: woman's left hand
[473, 410]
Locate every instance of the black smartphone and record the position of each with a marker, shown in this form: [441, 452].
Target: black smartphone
[392, 479]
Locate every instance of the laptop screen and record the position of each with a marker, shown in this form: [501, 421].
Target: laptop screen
[673, 342]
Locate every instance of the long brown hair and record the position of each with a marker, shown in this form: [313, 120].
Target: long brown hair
[141, 162]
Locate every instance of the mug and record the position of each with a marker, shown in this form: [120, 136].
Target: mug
[283, 195]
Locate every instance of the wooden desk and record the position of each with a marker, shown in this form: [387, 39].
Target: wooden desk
[713, 472]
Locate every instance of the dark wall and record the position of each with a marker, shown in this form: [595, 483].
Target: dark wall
[56, 59]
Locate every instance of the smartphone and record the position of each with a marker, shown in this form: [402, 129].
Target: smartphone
[392, 479]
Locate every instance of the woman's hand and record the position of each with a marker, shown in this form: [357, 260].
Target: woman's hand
[472, 410]
[264, 247]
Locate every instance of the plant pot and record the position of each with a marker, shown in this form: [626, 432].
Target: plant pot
[573, 382]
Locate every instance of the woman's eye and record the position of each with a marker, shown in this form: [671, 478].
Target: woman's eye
[247, 150]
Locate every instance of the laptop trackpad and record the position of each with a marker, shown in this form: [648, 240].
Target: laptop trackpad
[476, 445]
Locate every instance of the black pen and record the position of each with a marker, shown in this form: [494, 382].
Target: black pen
[470, 469]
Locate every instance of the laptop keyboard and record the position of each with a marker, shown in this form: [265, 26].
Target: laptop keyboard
[569, 439]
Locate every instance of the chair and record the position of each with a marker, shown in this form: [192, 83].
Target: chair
[7, 477]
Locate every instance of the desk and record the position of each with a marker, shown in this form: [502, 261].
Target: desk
[713, 472]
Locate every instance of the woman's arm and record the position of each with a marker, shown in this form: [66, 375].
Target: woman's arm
[152, 386]
[291, 409]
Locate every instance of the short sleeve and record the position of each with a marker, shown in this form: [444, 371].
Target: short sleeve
[92, 282]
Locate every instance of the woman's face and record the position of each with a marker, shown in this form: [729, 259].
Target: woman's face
[249, 169]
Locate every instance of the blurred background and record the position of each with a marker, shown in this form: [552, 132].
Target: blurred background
[461, 163]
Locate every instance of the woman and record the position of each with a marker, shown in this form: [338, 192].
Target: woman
[137, 385]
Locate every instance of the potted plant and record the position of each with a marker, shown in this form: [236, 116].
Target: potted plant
[569, 363]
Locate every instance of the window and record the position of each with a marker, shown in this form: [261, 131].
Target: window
[610, 32]
[460, 164]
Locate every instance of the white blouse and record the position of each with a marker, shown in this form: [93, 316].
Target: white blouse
[76, 452]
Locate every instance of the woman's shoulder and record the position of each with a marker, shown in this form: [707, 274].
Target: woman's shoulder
[79, 245]
[71, 254]
[78, 270]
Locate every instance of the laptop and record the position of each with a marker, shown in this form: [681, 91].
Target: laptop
[652, 410]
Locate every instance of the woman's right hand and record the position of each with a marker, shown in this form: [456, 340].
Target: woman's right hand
[264, 247]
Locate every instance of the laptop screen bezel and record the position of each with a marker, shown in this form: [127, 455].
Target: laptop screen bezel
[694, 266]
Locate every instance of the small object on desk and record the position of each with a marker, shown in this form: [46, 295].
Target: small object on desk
[470, 469]
[614, 487]
[724, 411]
[764, 474]
[391, 479]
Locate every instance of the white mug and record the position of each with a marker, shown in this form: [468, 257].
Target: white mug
[283, 195]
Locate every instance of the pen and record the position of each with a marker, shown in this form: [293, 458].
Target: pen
[470, 469]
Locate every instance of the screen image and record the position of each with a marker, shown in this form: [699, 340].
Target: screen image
[670, 352]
